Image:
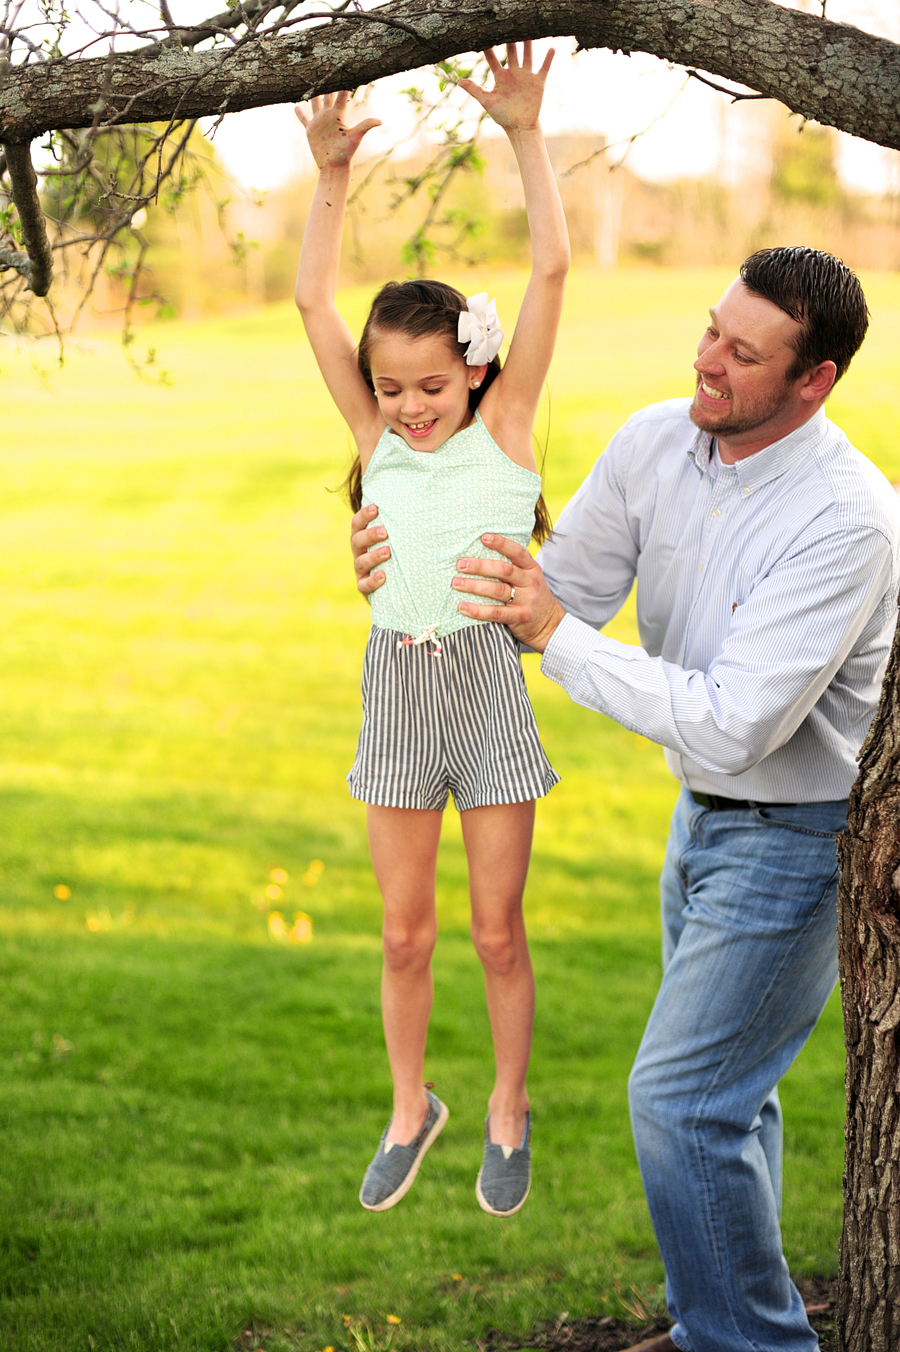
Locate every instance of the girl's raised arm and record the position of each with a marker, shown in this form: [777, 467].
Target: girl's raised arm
[333, 146]
[510, 404]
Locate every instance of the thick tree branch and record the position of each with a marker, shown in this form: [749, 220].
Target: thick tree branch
[829, 72]
[36, 265]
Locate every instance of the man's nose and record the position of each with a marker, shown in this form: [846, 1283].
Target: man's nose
[709, 362]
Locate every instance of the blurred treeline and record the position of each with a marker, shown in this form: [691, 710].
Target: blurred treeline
[217, 248]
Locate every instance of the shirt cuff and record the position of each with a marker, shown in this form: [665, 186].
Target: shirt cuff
[570, 646]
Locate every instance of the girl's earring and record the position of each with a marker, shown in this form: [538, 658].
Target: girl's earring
[475, 384]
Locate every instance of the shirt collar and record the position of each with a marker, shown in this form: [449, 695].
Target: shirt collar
[772, 461]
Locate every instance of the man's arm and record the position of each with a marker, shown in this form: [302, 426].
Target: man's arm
[787, 642]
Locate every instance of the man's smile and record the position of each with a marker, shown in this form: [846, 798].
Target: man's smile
[710, 392]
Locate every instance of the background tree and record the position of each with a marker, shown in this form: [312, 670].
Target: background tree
[117, 93]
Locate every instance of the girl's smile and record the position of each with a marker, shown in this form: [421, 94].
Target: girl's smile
[422, 386]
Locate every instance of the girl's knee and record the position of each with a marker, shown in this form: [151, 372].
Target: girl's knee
[408, 947]
[499, 947]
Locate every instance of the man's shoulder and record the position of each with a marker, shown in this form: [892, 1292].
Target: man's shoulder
[859, 492]
[656, 429]
[668, 413]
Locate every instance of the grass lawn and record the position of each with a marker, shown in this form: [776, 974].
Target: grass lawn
[187, 1104]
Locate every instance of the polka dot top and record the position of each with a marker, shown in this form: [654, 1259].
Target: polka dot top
[435, 505]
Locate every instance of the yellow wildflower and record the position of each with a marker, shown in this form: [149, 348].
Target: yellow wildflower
[301, 932]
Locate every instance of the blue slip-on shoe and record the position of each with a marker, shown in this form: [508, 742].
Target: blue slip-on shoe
[504, 1179]
[393, 1170]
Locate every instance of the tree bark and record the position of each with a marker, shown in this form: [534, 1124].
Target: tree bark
[869, 941]
[36, 263]
[830, 72]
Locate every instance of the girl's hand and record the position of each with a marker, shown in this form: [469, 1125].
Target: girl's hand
[515, 101]
[333, 144]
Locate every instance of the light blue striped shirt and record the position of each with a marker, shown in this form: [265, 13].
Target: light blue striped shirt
[766, 602]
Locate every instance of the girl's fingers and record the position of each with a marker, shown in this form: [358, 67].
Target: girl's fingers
[547, 62]
[512, 55]
[340, 99]
[493, 61]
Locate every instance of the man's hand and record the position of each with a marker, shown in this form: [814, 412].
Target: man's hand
[532, 614]
[366, 560]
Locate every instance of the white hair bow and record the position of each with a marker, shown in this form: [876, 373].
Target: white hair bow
[480, 328]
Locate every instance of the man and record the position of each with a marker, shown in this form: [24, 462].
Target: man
[766, 552]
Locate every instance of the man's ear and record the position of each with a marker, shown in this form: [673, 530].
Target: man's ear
[817, 383]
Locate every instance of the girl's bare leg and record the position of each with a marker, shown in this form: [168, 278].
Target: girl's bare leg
[403, 843]
[498, 845]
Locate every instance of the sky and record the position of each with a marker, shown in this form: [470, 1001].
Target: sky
[687, 131]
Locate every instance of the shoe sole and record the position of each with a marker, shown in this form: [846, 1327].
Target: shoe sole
[410, 1178]
[486, 1206]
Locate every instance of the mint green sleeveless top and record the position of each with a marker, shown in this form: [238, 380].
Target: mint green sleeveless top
[435, 505]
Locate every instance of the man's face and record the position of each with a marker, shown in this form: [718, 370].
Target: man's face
[743, 396]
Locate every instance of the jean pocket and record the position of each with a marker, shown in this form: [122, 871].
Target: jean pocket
[823, 820]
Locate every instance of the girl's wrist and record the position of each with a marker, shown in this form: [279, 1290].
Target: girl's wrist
[534, 129]
[335, 172]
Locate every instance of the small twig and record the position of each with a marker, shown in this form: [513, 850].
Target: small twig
[733, 94]
[15, 258]
[364, 15]
[23, 186]
[166, 15]
[221, 24]
[627, 141]
[212, 27]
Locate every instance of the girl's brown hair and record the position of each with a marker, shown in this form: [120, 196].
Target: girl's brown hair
[418, 310]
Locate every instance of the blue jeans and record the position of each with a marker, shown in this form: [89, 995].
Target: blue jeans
[750, 958]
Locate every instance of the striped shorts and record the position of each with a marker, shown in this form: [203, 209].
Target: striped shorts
[459, 722]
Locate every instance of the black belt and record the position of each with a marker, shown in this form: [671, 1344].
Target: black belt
[716, 803]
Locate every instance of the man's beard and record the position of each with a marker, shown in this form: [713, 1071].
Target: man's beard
[756, 411]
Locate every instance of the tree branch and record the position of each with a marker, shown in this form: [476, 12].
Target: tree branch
[735, 95]
[829, 72]
[36, 264]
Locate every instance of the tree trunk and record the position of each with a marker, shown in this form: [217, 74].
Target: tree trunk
[869, 941]
[829, 72]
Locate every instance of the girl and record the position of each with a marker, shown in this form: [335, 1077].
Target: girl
[445, 449]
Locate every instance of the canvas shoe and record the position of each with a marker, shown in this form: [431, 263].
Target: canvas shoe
[393, 1170]
[504, 1179]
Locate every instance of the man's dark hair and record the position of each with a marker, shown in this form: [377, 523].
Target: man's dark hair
[822, 294]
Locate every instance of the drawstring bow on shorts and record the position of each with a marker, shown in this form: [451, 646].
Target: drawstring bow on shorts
[428, 635]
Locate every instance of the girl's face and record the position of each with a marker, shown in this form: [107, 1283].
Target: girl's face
[422, 387]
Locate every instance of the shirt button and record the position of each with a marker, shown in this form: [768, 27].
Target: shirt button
[700, 569]
[717, 511]
[745, 491]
